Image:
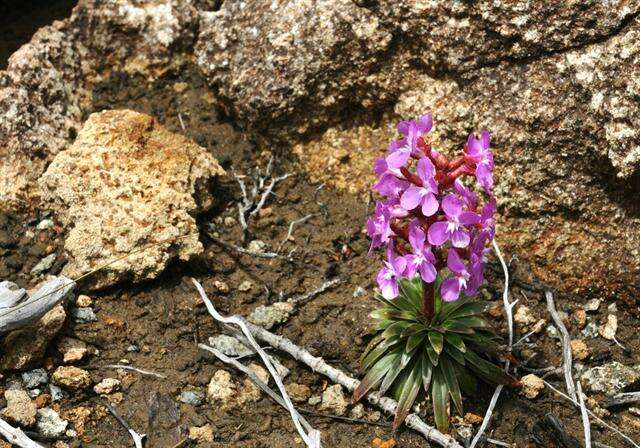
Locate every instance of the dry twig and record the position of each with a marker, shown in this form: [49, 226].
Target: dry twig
[623, 398]
[312, 437]
[291, 226]
[585, 418]
[134, 369]
[311, 294]
[16, 436]
[508, 308]
[566, 346]
[137, 438]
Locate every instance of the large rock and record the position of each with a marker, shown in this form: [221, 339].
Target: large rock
[127, 182]
[47, 85]
[24, 348]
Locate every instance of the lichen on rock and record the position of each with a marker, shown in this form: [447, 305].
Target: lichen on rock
[128, 183]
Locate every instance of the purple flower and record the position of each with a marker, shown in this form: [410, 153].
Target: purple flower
[423, 124]
[422, 260]
[453, 227]
[480, 152]
[379, 226]
[388, 184]
[468, 196]
[392, 270]
[463, 279]
[486, 218]
[423, 196]
[401, 150]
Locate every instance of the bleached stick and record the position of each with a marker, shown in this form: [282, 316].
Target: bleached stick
[508, 308]
[594, 416]
[311, 438]
[566, 346]
[16, 436]
[137, 438]
[585, 418]
[134, 369]
[318, 365]
[251, 374]
[311, 294]
[291, 226]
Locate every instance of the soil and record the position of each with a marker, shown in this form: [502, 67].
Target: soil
[165, 318]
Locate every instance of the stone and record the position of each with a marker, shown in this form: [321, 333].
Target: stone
[374, 416]
[592, 305]
[532, 385]
[20, 409]
[56, 393]
[580, 318]
[45, 224]
[107, 386]
[472, 419]
[78, 417]
[73, 350]
[71, 377]
[245, 286]
[357, 411]
[271, 315]
[609, 328]
[590, 330]
[230, 221]
[359, 292]
[315, 400]
[257, 246]
[579, 349]
[34, 378]
[610, 378]
[221, 286]
[377, 442]
[299, 393]
[84, 301]
[84, 315]
[124, 183]
[523, 316]
[221, 388]
[333, 400]
[49, 424]
[201, 434]
[229, 345]
[44, 265]
[192, 397]
[24, 348]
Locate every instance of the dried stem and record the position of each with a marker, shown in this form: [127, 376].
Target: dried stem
[137, 438]
[134, 369]
[15, 436]
[566, 346]
[585, 418]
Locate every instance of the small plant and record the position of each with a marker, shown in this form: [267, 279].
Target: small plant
[432, 339]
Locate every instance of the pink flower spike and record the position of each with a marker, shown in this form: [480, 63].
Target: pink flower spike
[423, 196]
[453, 228]
[388, 276]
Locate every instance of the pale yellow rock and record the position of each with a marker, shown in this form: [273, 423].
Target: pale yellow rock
[84, 301]
[126, 183]
[532, 385]
[72, 350]
[579, 349]
[523, 316]
[221, 388]
[609, 328]
[107, 386]
[71, 377]
[20, 409]
[201, 434]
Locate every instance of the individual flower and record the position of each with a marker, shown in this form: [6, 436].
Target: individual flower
[479, 151]
[392, 270]
[487, 223]
[469, 198]
[452, 228]
[425, 195]
[401, 150]
[379, 226]
[461, 280]
[422, 259]
[422, 124]
[389, 184]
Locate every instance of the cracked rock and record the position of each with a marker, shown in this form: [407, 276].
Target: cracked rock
[333, 400]
[610, 378]
[20, 409]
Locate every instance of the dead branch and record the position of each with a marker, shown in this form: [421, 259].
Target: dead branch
[291, 226]
[15, 436]
[585, 418]
[623, 398]
[508, 308]
[595, 417]
[566, 346]
[134, 369]
[311, 294]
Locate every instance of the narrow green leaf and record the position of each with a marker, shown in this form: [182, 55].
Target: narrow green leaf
[473, 322]
[377, 352]
[396, 328]
[488, 371]
[389, 304]
[395, 370]
[431, 353]
[469, 309]
[436, 341]
[374, 376]
[449, 374]
[466, 380]
[440, 401]
[454, 353]
[426, 373]
[411, 292]
[409, 392]
[412, 329]
[377, 339]
[457, 327]
[415, 340]
[456, 341]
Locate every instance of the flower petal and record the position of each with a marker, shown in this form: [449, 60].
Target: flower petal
[398, 158]
[452, 205]
[450, 289]
[425, 169]
[485, 139]
[411, 197]
[429, 205]
[437, 233]
[425, 123]
[416, 236]
[427, 272]
[469, 218]
[460, 238]
[454, 263]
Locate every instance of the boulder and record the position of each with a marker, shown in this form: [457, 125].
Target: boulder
[126, 183]
[20, 409]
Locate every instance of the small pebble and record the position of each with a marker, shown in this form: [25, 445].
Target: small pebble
[612, 308]
[579, 349]
[230, 221]
[299, 393]
[359, 292]
[592, 305]
[221, 287]
[34, 378]
[49, 424]
[133, 348]
[609, 328]
[84, 315]
[84, 301]
[56, 393]
[71, 377]
[192, 397]
[257, 246]
[315, 400]
[33, 393]
[524, 316]
[245, 286]
[357, 411]
[532, 385]
[44, 265]
[107, 386]
[202, 435]
[45, 224]
[580, 318]
[180, 87]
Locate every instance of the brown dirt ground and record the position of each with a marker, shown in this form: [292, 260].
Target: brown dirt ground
[164, 316]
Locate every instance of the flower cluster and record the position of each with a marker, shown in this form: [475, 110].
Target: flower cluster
[430, 220]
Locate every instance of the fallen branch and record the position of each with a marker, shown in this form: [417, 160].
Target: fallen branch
[311, 294]
[318, 365]
[137, 438]
[312, 437]
[508, 308]
[566, 346]
[594, 416]
[623, 398]
[291, 226]
[585, 418]
[15, 436]
[134, 369]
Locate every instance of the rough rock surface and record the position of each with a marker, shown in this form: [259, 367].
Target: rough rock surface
[20, 409]
[127, 182]
[47, 84]
[610, 378]
[71, 377]
[24, 348]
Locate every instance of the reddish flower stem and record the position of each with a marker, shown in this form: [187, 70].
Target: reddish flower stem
[428, 301]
